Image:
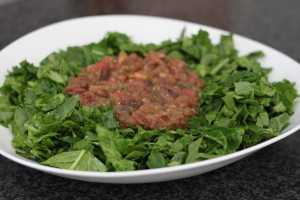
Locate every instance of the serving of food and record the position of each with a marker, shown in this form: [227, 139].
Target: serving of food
[119, 105]
[155, 92]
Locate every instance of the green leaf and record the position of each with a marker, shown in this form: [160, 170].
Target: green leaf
[6, 117]
[108, 141]
[76, 160]
[229, 138]
[229, 102]
[287, 93]
[178, 159]
[66, 109]
[255, 55]
[21, 116]
[240, 76]
[48, 72]
[5, 105]
[244, 88]
[156, 160]
[216, 134]
[176, 146]
[83, 144]
[279, 122]
[227, 46]
[193, 151]
[263, 120]
[279, 107]
[136, 155]
[107, 117]
[49, 102]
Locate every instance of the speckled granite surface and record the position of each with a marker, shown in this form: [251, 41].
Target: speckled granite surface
[272, 173]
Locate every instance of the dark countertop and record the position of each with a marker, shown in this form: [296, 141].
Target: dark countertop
[272, 173]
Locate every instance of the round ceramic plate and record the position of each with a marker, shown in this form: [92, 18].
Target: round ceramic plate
[143, 29]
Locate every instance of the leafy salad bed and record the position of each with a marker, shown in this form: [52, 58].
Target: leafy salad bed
[238, 108]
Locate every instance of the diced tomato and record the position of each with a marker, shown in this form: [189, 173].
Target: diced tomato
[153, 92]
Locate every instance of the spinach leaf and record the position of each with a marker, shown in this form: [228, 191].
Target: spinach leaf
[193, 151]
[66, 109]
[156, 160]
[110, 144]
[77, 160]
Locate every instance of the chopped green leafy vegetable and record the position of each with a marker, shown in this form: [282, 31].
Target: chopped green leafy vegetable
[77, 160]
[239, 108]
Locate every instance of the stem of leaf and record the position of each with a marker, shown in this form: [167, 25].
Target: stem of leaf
[78, 159]
[219, 66]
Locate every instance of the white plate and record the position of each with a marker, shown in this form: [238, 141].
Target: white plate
[38, 44]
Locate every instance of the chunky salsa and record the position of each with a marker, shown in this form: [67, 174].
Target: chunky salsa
[153, 92]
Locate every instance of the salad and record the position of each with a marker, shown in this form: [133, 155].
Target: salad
[237, 108]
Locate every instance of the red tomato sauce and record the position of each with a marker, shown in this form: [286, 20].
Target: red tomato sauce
[152, 92]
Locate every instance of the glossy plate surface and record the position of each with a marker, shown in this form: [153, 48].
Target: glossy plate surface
[143, 29]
